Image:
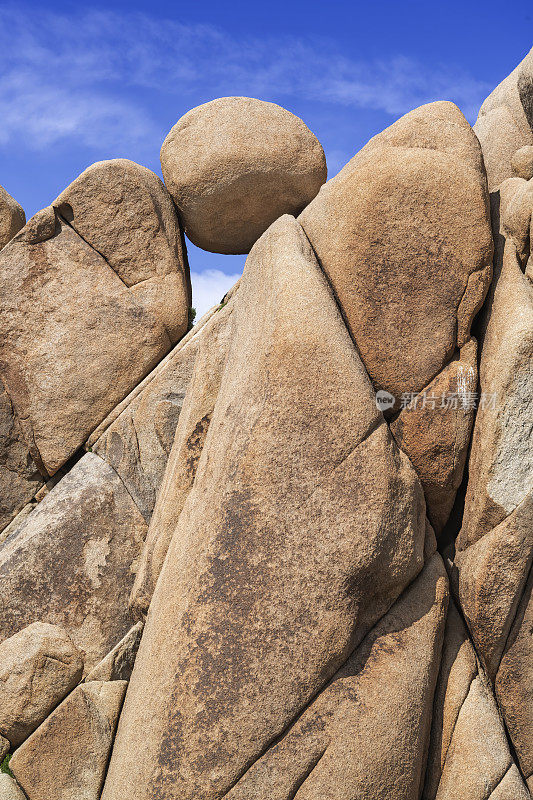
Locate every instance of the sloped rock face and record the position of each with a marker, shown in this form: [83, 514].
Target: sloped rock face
[12, 217]
[273, 565]
[67, 756]
[236, 164]
[212, 351]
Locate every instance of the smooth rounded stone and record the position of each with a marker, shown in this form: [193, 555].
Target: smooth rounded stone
[67, 755]
[505, 121]
[12, 217]
[403, 233]
[38, 667]
[522, 163]
[9, 789]
[303, 526]
[236, 164]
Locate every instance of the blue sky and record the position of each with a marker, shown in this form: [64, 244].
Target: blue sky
[81, 83]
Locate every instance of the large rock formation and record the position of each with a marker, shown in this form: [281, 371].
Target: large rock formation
[235, 165]
[266, 494]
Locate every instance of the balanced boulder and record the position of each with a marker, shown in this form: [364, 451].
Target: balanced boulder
[235, 165]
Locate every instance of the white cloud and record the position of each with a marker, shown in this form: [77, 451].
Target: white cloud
[209, 287]
[95, 76]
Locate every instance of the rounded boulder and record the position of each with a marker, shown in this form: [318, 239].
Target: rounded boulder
[236, 164]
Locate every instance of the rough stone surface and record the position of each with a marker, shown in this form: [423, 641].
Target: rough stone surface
[303, 526]
[9, 790]
[12, 217]
[138, 442]
[38, 667]
[20, 477]
[505, 122]
[118, 664]
[74, 339]
[366, 733]
[5, 747]
[403, 234]
[71, 561]
[434, 431]
[67, 756]
[235, 165]
[212, 346]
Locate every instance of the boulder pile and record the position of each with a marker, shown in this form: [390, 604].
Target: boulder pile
[285, 553]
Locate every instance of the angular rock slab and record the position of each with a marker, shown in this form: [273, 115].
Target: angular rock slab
[118, 664]
[236, 164]
[66, 758]
[38, 667]
[469, 754]
[366, 733]
[212, 346]
[137, 442]
[409, 266]
[71, 561]
[303, 526]
[74, 339]
[434, 431]
[505, 122]
[12, 217]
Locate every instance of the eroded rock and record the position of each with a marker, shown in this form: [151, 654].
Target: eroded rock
[12, 217]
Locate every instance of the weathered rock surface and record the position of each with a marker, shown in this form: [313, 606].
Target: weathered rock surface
[522, 163]
[71, 561]
[408, 266]
[235, 165]
[5, 747]
[505, 122]
[9, 790]
[124, 212]
[469, 755]
[66, 757]
[434, 431]
[301, 500]
[74, 337]
[38, 667]
[366, 733]
[12, 217]
[118, 664]
[213, 347]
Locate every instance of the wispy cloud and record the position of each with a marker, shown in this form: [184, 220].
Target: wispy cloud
[93, 76]
[209, 287]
